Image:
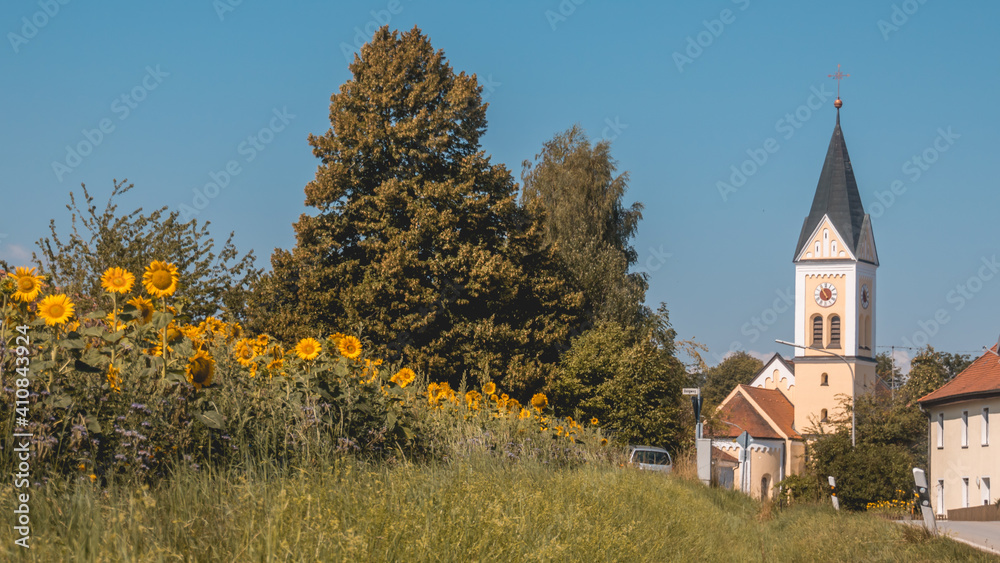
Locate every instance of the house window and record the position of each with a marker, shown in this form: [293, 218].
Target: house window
[986, 426]
[940, 430]
[965, 429]
[835, 332]
[824, 379]
[822, 416]
[985, 487]
[940, 503]
[965, 492]
[817, 331]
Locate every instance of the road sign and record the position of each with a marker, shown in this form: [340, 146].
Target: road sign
[833, 492]
[691, 391]
[744, 440]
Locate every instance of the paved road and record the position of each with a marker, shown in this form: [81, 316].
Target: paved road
[982, 534]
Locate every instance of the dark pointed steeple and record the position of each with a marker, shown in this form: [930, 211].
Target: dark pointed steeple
[836, 195]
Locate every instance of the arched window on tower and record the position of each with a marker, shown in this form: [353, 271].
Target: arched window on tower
[824, 379]
[822, 416]
[835, 332]
[817, 339]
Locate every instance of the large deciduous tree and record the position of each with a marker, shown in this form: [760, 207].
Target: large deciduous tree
[574, 192]
[738, 368]
[418, 238]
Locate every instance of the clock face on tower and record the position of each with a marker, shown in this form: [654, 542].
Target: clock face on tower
[865, 298]
[826, 294]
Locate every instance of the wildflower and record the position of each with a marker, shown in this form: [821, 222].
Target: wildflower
[200, 369]
[308, 348]
[117, 280]
[160, 279]
[244, 352]
[145, 308]
[28, 284]
[490, 388]
[350, 347]
[593, 421]
[55, 309]
[403, 377]
[539, 401]
[93, 478]
[604, 441]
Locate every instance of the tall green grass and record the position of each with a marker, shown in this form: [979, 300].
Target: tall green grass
[476, 508]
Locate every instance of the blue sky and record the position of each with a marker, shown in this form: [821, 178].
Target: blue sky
[170, 95]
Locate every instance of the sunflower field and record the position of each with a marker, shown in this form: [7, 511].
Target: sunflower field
[129, 391]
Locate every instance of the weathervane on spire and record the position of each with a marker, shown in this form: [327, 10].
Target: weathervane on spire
[839, 76]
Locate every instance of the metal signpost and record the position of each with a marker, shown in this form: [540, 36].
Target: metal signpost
[744, 440]
[703, 446]
[924, 499]
[695, 393]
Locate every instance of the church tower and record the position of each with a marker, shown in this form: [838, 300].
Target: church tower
[835, 294]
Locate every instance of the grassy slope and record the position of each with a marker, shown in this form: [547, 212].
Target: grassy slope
[468, 510]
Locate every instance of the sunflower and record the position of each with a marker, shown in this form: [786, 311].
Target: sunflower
[160, 279]
[113, 324]
[349, 346]
[403, 377]
[539, 401]
[594, 421]
[308, 348]
[117, 280]
[244, 352]
[145, 308]
[114, 378]
[55, 309]
[200, 369]
[28, 284]
[472, 399]
[490, 388]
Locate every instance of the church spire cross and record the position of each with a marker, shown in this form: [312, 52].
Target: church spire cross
[839, 76]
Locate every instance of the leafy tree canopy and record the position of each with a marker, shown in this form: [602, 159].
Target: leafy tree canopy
[417, 238]
[738, 368]
[573, 190]
[209, 282]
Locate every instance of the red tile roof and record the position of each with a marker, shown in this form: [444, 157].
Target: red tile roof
[777, 406]
[741, 413]
[982, 378]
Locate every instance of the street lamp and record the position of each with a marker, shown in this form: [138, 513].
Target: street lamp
[849, 366]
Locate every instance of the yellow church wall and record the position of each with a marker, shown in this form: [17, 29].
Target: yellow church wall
[762, 463]
[826, 244]
[812, 309]
[810, 396]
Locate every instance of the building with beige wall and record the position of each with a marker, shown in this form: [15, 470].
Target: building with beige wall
[963, 443]
[835, 297]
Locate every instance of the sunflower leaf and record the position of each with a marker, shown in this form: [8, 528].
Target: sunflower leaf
[211, 419]
[98, 314]
[93, 426]
[80, 365]
[72, 343]
[112, 338]
[161, 319]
